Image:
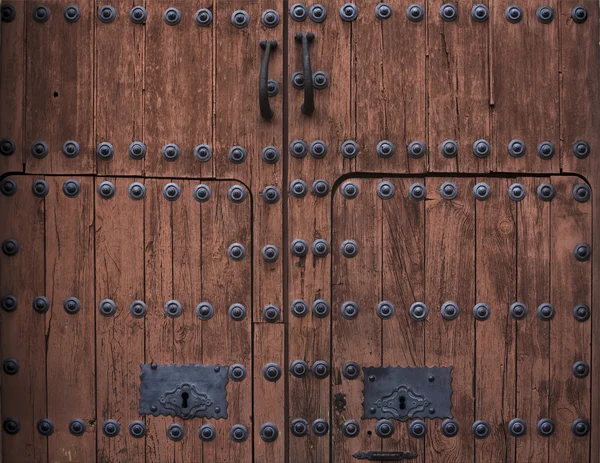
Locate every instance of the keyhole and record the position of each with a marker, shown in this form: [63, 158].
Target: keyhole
[184, 399]
[402, 402]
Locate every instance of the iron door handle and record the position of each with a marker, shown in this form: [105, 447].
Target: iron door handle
[308, 107]
[263, 80]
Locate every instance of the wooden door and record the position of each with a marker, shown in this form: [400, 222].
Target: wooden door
[201, 263]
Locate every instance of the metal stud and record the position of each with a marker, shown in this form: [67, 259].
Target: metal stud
[298, 188]
[417, 192]
[416, 149]
[271, 313]
[41, 14]
[448, 12]
[7, 146]
[203, 153]
[39, 149]
[236, 252]
[415, 13]
[418, 311]
[449, 149]
[348, 12]
[318, 149]
[203, 17]
[320, 80]
[513, 14]
[545, 311]
[580, 427]
[320, 248]
[449, 428]
[207, 432]
[383, 11]
[544, 14]
[517, 427]
[450, 310]
[579, 14]
[320, 427]
[171, 191]
[298, 12]
[298, 148]
[106, 190]
[385, 149]
[270, 253]
[581, 369]
[480, 13]
[299, 308]
[546, 192]
[72, 305]
[386, 190]
[270, 194]
[516, 192]
[40, 188]
[299, 247]
[581, 313]
[107, 14]
[77, 427]
[481, 148]
[349, 248]
[317, 13]
[237, 372]
[237, 154]
[482, 191]
[270, 155]
[172, 16]
[384, 428]
[40, 305]
[240, 19]
[481, 429]
[70, 149]
[8, 13]
[175, 432]
[297, 81]
[581, 149]
[320, 369]
[320, 308]
[582, 252]
[481, 311]
[9, 303]
[385, 310]
[138, 309]
[202, 193]
[237, 312]
[320, 188]
[299, 368]
[516, 148]
[136, 191]
[10, 247]
[417, 429]
[268, 432]
[173, 309]
[545, 427]
[349, 190]
[10, 366]
[105, 150]
[107, 307]
[351, 370]
[11, 426]
[272, 88]
[45, 427]
[448, 190]
[518, 311]
[349, 310]
[205, 311]
[71, 13]
[545, 150]
[171, 152]
[110, 428]
[351, 428]
[71, 188]
[137, 150]
[349, 149]
[299, 427]
[8, 187]
[138, 15]
[236, 194]
[272, 372]
[137, 429]
[582, 193]
[270, 18]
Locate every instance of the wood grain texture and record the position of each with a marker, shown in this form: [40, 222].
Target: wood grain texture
[23, 331]
[70, 353]
[59, 90]
[119, 257]
[450, 276]
[119, 85]
[12, 86]
[569, 339]
[178, 97]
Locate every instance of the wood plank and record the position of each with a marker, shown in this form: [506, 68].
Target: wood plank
[178, 81]
[159, 339]
[570, 340]
[533, 334]
[450, 276]
[388, 86]
[495, 346]
[119, 85]
[119, 257]
[403, 283]
[458, 88]
[358, 280]
[525, 103]
[70, 343]
[23, 330]
[59, 90]
[12, 86]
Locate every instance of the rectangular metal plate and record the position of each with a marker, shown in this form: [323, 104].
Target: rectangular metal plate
[403, 393]
[186, 391]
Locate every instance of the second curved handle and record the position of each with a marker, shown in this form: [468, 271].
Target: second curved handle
[263, 80]
[308, 107]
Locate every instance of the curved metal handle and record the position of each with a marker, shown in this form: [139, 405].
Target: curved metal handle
[263, 80]
[309, 94]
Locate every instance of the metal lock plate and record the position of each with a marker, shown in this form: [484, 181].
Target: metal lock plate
[403, 393]
[186, 391]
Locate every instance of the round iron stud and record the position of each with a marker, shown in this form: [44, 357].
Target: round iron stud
[581, 312]
[268, 432]
[236, 252]
[545, 427]
[582, 193]
[386, 190]
[348, 12]
[320, 80]
[137, 429]
[11, 426]
[417, 429]
[546, 311]
[349, 190]
[518, 311]
[71, 13]
[299, 427]
[580, 427]
[171, 152]
[171, 191]
[545, 150]
[544, 14]
[418, 311]
[173, 309]
[175, 432]
[513, 14]
[136, 191]
[236, 194]
[581, 149]
[39, 149]
[579, 14]
[385, 310]
[70, 149]
[481, 311]
[299, 368]
[138, 309]
[448, 190]
[10, 366]
[417, 192]
[203, 152]
[237, 372]
[351, 370]
[40, 188]
[448, 12]
[71, 188]
[298, 188]
[270, 253]
[318, 149]
[581, 369]
[320, 188]
[416, 149]
[383, 11]
[297, 81]
[481, 148]
[384, 428]
[271, 313]
[138, 15]
[237, 312]
[9, 303]
[106, 190]
[137, 150]
[450, 310]
[105, 150]
[202, 193]
[482, 191]
[77, 427]
[320, 248]
[349, 248]
[516, 148]
[240, 19]
[207, 432]
[516, 192]
[272, 372]
[546, 192]
[320, 369]
[349, 149]
[351, 428]
[8, 13]
[72, 305]
[517, 427]
[480, 13]
[415, 13]
[8, 187]
[299, 308]
[320, 308]
[45, 427]
[7, 146]
[270, 155]
[449, 149]
[317, 13]
[449, 428]
[582, 252]
[298, 148]
[107, 307]
[107, 14]
[237, 154]
[320, 427]
[10, 247]
[299, 247]
[349, 310]
[41, 14]
[205, 311]
[110, 428]
[480, 429]
[270, 194]
[270, 18]
[298, 12]
[172, 17]
[385, 149]
[40, 305]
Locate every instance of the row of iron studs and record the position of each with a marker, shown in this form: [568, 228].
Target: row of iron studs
[240, 19]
